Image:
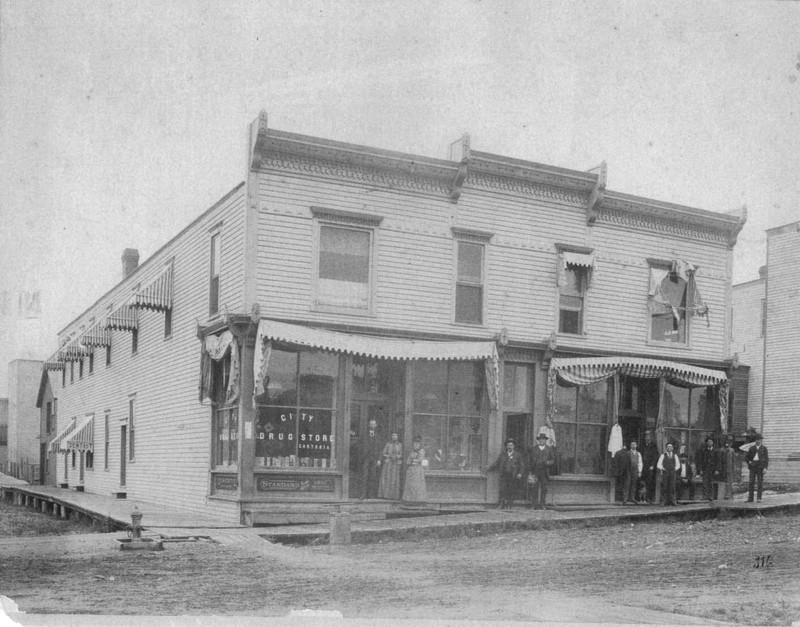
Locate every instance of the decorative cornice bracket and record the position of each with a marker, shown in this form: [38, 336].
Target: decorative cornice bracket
[459, 151]
[258, 140]
[599, 190]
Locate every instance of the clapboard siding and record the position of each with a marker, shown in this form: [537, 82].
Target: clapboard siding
[170, 423]
[747, 340]
[415, 264]
[781, 392]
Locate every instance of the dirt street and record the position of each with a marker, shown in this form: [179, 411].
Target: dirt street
[743, 570]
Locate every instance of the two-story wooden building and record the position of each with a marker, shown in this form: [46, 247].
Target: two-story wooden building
[462, 300]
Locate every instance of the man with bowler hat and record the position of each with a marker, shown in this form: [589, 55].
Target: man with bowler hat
[512, 467]
[757, 462]
[542, 459]
[649, 462]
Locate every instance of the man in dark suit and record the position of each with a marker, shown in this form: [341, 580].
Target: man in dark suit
[668, 465]
[512, 468]
[543, 458]
[649, 462]
[757, 462]
[707, 460]
[370, 451]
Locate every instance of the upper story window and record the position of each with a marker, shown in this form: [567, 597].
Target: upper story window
[345, 274]
[763, 317]
[667, 305]
[470, 272]
[49, 417]
[574, 271]
[213, 286]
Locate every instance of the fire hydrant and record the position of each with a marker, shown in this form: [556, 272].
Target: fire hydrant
[136, 524]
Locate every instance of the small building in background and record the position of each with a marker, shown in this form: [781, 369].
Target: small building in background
[23, 419]
[767, 337]
[4, 435]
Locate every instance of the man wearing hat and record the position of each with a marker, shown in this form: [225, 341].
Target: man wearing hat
[512, 468]
[757, 461]
[542, 460]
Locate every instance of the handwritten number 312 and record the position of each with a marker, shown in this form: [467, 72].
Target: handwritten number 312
[762, 561]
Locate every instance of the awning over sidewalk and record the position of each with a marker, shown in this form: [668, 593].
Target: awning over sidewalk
[82, 437]
[371, 346]
[57, 444]
[589, 370]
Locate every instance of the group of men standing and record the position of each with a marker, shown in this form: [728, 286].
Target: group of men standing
[637, 472]
[532, 470]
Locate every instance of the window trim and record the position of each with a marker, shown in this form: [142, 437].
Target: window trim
[347, 220]
[586, 272]
[131, 423]
[214, 288]
[107, 440]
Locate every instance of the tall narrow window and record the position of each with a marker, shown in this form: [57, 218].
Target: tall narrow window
[64, 376]
[134, 341]
[763, 317]
[131, 428]
[49, 417]
[571, 299]
[72, 372]
[469, 283]
[108, 355]
[580, 419]
[213, 287]
[107, 441]
[80, 369]
[167, 323]
[344, 268]
[91, 362]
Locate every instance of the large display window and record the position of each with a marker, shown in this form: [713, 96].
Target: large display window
[580, 419]
[296, 414]
[450, 413]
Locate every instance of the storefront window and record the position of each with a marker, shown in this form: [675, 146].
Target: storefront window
[296, 413]
[225, 427]
[449, 413]
[689, 415]
[580, 419]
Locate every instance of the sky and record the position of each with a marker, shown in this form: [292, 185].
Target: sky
[122, 121]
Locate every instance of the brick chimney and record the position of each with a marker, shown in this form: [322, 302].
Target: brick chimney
[130, 261]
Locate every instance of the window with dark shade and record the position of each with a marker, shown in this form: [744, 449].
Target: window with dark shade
[469, 283]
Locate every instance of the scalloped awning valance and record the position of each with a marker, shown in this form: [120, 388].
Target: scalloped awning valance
[157, 294]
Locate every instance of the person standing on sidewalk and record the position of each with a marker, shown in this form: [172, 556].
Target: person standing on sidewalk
[512, 467]
[632, 473]
[543, 458]
[757, 462]
[708, 467]
[727, 464]
[649, 461]
[668, 465]
[370, 452]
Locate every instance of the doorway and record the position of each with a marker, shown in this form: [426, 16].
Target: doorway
[123, 453]
[361, 412]
[632, 429]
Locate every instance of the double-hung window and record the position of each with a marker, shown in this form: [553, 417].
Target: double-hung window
[668, 319]
[131, 427]
[574, 270]
[213, 285]
[580, 418]
[344, 265]
[470, 273]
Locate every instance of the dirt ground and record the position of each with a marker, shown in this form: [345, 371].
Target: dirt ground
[741, 570]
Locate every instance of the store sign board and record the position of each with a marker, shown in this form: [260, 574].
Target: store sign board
[276, 483]
[225, 482]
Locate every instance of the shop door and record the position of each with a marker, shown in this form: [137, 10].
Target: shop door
[123, 454]
[361, 412]
[632, 429]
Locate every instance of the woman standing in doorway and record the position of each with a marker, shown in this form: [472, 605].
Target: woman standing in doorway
[389, 487]
[414, 491]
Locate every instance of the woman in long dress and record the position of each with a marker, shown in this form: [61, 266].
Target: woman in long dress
[389, 487]
[414, 490]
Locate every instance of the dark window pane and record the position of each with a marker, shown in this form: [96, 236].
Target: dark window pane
[565, 440]
[675, 412]
[469, 304]
[344, 255]
[470, 262]
[591, 450]
[318, 375]
[430, 387]
[517, 386]
[705, 413]
[432, 430]
[464, 444]
[592, 403]
[565, 404]
[281, 382]
[466, 388]
[569, 322]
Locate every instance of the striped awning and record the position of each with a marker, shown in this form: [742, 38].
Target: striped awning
[74, 351]
[82, 437]
[57, 443]
[98, 335]
[586, 370]
[123, 318]
[157, 294]
[585, 260]
[54, 364]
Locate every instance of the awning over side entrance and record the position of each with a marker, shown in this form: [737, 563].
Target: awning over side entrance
[588, 370]
[58, 444]
[371, 346]
[82, 437]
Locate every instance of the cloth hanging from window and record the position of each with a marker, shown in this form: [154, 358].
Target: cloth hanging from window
[662, 300]
[580, 260]
[216, 348]
[615, 439]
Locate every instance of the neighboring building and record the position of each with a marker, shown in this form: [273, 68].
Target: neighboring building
[4, 435]
[773, 303]
[23, 419]
[47, 403]
[462, 300]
